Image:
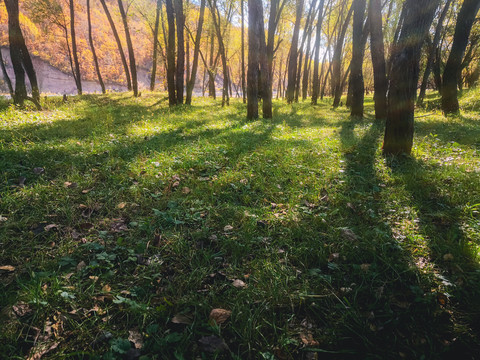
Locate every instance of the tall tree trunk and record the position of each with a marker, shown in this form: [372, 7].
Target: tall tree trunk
[78, 78]
[292, 61]
[316, 56]
[244, 94]
[221, 47]
[172, 99]
[155, 41]
[431, 52]
[212, 92]
[337, 63]
[92, 47]
[254, 7]
[131, 53]
[378, 59]
[180, 69]
[5, 75]
[196, 51]
[404, 76]
[119, 44]
[465, 20]
[356, 74]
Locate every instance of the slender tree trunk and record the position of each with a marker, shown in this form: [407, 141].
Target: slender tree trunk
[172, 99]
[131, 53]
[221, 47]
[244, 94]
[180, 69]
[404, 76]
[316, 56]
[92, 47]
[196, 51]
[119, 44]
[254, 7]
[155, 41]
[465, 20]
[356, 74]
[292, 61]
[378, 59]
[337, 63]
[5, 75]
[78, 78]
[431, 53]
[212, 92]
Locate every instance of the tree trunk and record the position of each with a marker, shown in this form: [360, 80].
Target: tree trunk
[404, 76]
[356, 74]
[221, 48]
[337, 63]
[254, 7]
[377, 51]
[212, 92]
[78, 78]
[465, 20]
[155, 40]
[92, 47]
[196, 51]
[180, 69]
[131, 53]
[431, 53]
[316, 56]
[172, 99]
[244, 94]
[292, 61]
[5, 76]
[119, 44]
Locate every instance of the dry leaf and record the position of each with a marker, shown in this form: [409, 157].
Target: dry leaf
[121, 205]
[7, 268]
[219, 316]
[21, 309]
[348, 234]
[136, 338]
[70, 185]
[228, 228]
[239, 284]
[81, 265]
[182, 319]
[448, 257]
[106, 288]
[51, 226]
[38, 170]
[212, 344]
[308, 340]
[21, 181]
[186, 190]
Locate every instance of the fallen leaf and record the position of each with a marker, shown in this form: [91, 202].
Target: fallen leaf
[333, 257]
[448, 257]
[182, 319]
[365, 267]
[121, 205]
[21, 309]
[308, 340]
[3, 218]
[41, 349]
[7, 268]
[136, 338]
[239, 284]
[86, 191]
[81, 265]
[348, 234]
[219, 316]
[51, 226]
[38, 170]
[212, 344]
[70, 185]
[228, 228]
[21, 181]
[106, 288]
[186, 190]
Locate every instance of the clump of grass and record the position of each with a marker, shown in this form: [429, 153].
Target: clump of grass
[121, 216]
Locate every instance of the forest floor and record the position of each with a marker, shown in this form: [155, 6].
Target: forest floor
[129, 229]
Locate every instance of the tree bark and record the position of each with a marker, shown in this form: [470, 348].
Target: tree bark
[5, 75]
[254, 7]
[92, 47]
[292, 61]
[172, 99]
[377, 51]
[196, 51]
[131, 53]
[431, 52]
[316, 56]
[242, 14]
[404, 76]
[119, 44]
[180, 69]
[78, 78]
[465, 20]
[155, 41]
[356, 74]
[212, 92]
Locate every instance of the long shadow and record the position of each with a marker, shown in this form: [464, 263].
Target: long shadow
[452, 252]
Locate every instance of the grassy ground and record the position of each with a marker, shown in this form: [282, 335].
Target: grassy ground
[124, 223]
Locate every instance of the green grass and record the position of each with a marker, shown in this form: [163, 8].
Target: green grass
[143, 213]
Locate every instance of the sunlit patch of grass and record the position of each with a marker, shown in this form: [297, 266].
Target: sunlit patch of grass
[141, 212]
